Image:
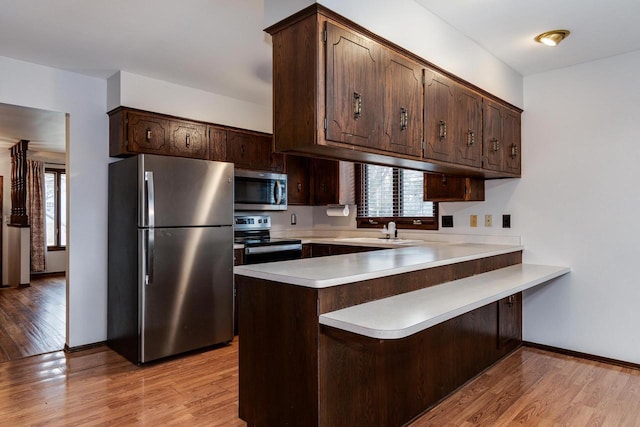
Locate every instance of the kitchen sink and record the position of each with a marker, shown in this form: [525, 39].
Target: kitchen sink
[378, 241]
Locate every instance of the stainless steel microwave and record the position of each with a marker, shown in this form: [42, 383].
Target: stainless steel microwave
[260, 191]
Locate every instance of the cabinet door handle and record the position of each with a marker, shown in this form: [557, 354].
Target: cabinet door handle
[148, 135]
[444, 179]
[471, 138]
[404, 118]
[514, 151]
[187, 141]
[299, 187]
[357, 105]
[442, 130]
[372, 222]
[511, 300]
[496, 144]
[417, 222]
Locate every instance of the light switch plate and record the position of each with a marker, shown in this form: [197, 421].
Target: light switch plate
[488, 220]
[473, 220]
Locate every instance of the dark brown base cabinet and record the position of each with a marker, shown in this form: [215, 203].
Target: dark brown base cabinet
[296, 372]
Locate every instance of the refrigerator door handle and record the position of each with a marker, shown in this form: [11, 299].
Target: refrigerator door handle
[151, 221]
[148, 279]
[148, 178]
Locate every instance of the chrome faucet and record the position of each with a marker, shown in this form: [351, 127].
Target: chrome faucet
[390, 230]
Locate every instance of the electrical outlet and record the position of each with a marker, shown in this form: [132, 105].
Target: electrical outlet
[488, 221]
[293, 219]
[447, 221]
[473, 220]
[506, 221]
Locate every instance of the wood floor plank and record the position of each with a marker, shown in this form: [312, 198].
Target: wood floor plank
[32, 319]
[98, 387]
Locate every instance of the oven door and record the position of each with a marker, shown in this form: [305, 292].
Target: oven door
[260, 191]
[272, 253]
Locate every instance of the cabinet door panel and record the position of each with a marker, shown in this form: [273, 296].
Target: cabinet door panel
[512, 138]
[468, 117]
[298, 173]
[509, 322]
[439, 122]
[189, 140]
[251, 151]
[218, 143]
[147, 134]
[353, 103]
[325, 179]
[492, 135]
[403, 106]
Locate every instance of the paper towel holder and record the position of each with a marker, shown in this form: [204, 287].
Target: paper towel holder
[338, 210]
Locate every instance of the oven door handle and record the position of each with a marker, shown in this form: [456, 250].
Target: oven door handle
[272, 248]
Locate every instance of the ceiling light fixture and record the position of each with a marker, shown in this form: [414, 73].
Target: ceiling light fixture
[552, 38]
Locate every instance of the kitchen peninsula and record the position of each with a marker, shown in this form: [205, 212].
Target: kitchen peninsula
[375, 338]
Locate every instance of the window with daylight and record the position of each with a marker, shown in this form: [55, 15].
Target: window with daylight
[55, 190]
[391, 194]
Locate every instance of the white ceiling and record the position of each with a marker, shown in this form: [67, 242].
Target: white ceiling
[506, 28]
[45, 130]
[219, 46]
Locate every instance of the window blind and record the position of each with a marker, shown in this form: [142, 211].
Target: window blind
[392, 192]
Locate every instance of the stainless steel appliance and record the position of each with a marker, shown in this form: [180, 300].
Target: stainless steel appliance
[260, 191]
[253, 231]
[170, 256]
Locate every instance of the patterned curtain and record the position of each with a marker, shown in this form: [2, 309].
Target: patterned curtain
[35, 210]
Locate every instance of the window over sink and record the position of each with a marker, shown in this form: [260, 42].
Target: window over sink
[386, 194]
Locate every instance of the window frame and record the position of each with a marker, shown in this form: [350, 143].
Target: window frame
[402, 222]
[57, 221]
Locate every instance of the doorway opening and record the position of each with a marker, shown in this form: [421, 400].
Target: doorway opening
[33, 317]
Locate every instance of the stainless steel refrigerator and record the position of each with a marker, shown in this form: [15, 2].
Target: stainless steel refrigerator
[170, 252]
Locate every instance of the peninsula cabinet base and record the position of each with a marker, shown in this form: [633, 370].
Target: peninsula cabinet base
[296, 372]
[371, 382]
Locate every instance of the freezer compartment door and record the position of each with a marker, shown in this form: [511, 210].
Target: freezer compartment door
[186, 298]
[177, 192]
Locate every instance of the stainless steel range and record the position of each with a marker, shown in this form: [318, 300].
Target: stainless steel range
[253, 231]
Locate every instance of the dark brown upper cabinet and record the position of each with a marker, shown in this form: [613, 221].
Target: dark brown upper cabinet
[453, 117]
[502, 139]
[189, 139]
[445, 188]
[353, 106]
[439, 117]
[314, 181]
[403, 105]
[252, 150]
[343, 92]
[298, 176]
[140, 132]
[467, 121]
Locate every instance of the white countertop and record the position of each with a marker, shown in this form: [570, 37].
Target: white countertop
[402, 315]
[336, 270]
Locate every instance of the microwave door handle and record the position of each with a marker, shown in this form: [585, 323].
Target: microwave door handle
[278, 192]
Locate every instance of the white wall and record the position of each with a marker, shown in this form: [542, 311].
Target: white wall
[145, 93]
[577, 204]
[84, 99]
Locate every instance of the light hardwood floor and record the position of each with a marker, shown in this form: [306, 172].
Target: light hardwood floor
[32, 319]
[531, 387]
